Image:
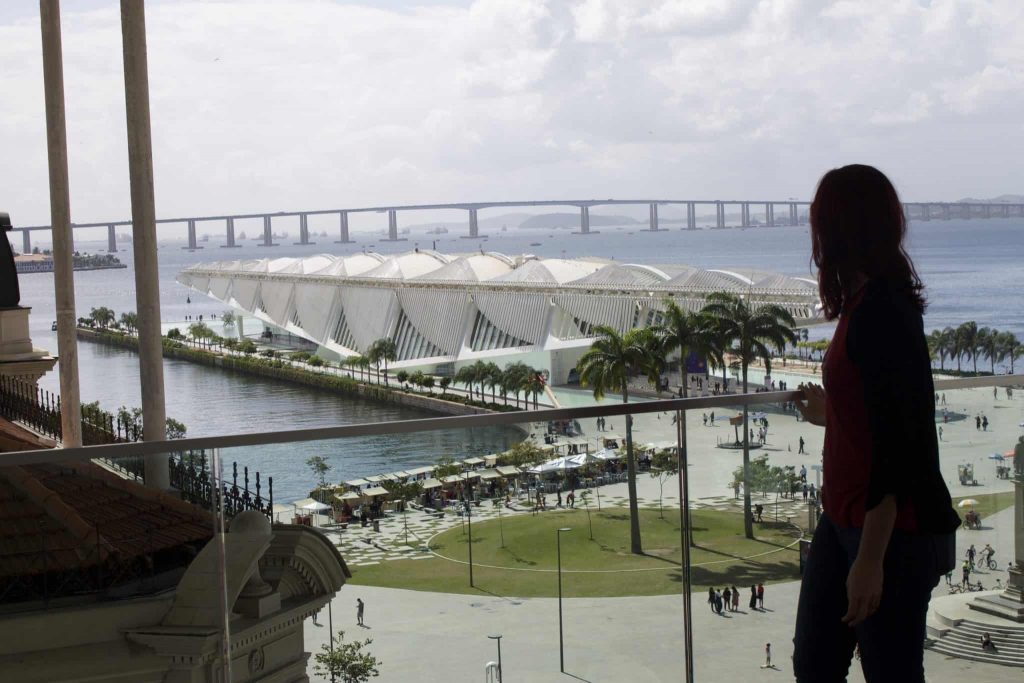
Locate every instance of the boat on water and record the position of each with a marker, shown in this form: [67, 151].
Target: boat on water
[534, 244]
[43, 262]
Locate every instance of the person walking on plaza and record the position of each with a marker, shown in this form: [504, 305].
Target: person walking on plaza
[984, 423]
[735, 599]
[977, 422]
[940, 432]
[801, 450]
[570, 499]
[971, 554]
[965, 574]
[712, 418]
[760, 596]
[711, 598]
[767, 656]
[753, 597]
[886, 536]
[359, 612]
[727, 599]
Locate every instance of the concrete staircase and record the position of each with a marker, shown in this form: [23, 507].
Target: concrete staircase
[963, 641]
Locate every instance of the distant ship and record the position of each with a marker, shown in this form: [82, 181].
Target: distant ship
[440, 230]
[43, 263]
[241, 235]
[534, 244]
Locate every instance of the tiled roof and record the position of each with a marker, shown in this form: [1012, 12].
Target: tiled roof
[56, 519]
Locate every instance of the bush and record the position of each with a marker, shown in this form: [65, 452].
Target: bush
[247, 347]
[174, 333]
[315, 361]
[268, 353]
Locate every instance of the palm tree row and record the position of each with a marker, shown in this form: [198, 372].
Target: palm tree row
[515, 379]
[969, 342]
[728, 326]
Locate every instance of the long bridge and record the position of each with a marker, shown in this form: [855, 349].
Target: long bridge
[791, 213]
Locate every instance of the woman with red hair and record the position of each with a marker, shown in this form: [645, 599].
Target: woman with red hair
[887, 532]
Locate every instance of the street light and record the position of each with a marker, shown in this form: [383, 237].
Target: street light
[498, 638]
[469, 522]
[561, 642]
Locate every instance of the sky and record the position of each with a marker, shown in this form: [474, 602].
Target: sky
[314, 104]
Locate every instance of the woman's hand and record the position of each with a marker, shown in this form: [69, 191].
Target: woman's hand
[863, 591]
[813, 406]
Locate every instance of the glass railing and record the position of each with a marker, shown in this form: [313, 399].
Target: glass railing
[449, 530]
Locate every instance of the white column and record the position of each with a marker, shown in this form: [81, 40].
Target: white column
[147, 285]
[60, 223]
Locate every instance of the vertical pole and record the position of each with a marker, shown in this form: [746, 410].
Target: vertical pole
[330, 628]
[60, 222]
[112, 239]
[686, 534]
[474, 224]
[469, 520]
[26, 242]
[147, 284]
[561, 642]
[654, 218]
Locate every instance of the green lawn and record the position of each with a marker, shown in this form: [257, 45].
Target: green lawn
[988, 503]
[517, 567]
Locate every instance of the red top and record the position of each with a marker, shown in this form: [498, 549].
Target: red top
[848, 447]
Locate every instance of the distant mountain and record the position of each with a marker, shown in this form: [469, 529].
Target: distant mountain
[549, 221]
[1001, 199]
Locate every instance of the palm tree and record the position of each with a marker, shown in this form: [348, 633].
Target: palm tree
[534, 384]
[751, 330]
[383, 350]
[493, 378]
[688, 334]
[988, 343]
[967, 343]
[513, 378]
[1009, 347]
[606, 367]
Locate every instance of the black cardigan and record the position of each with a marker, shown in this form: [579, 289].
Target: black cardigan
[885, 340]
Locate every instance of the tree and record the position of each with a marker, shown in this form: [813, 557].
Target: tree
[175, 429]
[102, 316]
[513, 379]
[585, 499]
[687, 334]
[130, 321]
[534, 384]
[315, 362]
[382, 351]
[1010, 348]
[664, 466]
[492, 376]
[428, 383]
[175, 333]
[522, 454]
[248, 347]
[444, 382]
[967, 343]
[606, 366]
[347, 660]
[402, 376]
[319, 467]
[201, 332]
[750, 330]
[988, 343]
[230, 343]
[466, 375]
[446, 467]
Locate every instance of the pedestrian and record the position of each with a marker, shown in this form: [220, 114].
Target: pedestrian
[940, 432]
[753, 597]
[359, 612]
[558, 504]
[984, 423]
[571, 498]
[712, 416]
[704, 416]
[711, 598]
[805, 491]
[735, 599]
[977, 422]
[315, 623]
[887, 533]
[727, 597]
[767, 655]
[760, 596]
[718, 602]
[971, 553]
[965, 574]
[801, 450]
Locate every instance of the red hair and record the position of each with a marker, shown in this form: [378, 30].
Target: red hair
[858, 226]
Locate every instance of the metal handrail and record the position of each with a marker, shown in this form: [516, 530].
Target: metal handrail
[115, 451]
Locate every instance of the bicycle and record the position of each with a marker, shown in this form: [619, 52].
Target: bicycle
[970, 588]
[988, 562]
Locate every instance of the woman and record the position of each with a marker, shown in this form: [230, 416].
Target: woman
[886, 535]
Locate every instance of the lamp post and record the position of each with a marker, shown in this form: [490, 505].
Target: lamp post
[469, 522]
[561, 640]
[498, 638]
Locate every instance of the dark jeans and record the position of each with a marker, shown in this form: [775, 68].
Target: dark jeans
[892, 639]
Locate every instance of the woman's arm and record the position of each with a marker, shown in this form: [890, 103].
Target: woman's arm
[864, 582]
[812, 408]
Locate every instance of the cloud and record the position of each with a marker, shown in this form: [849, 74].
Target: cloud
[314, 104]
